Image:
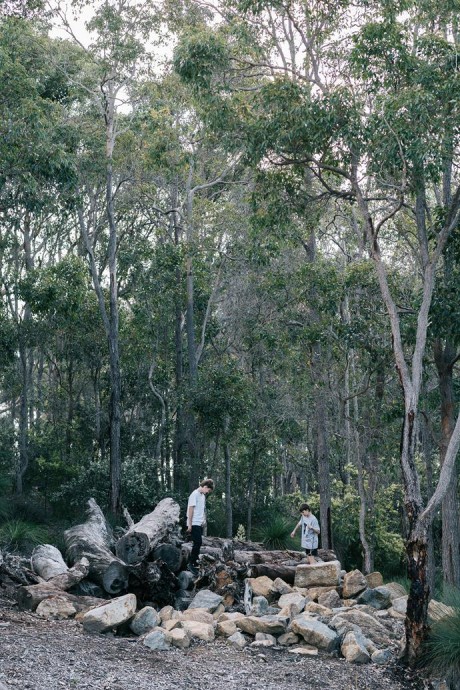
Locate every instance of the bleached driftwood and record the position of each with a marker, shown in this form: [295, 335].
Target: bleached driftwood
[47, 561]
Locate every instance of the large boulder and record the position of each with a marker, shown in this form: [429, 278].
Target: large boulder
[317, 574]
[202, 631]
[110, 615]
[374, 579]
[205, 599]
[262, 587]
[379, 598]
[314, 632]
[295, 601]
[438, 610]
[354, 649]
[274, 625]
[330, 599]
[364, 622]
[354, 583]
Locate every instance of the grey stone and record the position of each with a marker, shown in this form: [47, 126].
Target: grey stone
[314, 632]
[145, 620]
[259, 606]
[205, 599]
[378, 598]
[330, 599]
[381, 656]
[238, 640]
[157, 639]
[367, 624]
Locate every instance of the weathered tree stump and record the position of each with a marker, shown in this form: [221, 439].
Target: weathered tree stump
[169, 554]
[92, 539]
[141, 538]
[153, 582]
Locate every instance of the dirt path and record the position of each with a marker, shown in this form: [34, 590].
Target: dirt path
[51, 655]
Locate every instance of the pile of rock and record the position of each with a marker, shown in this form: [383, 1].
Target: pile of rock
[326, 609]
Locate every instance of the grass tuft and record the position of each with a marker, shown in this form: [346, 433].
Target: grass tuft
[275, 534]
[18, 534]
[442, 648]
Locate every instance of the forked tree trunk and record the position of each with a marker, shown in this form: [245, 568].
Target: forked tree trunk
[92, 539]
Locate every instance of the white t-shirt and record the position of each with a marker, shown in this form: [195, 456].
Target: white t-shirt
[198, 501]
[309, 538]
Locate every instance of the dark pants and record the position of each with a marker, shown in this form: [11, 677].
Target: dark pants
[197, 538]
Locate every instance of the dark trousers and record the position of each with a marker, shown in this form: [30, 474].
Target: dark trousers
[197, 538]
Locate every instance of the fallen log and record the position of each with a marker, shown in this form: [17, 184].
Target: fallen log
[47, 561]
[92, 540]
[140, 539]
[273, 570]
[250, 557]
[29, 596]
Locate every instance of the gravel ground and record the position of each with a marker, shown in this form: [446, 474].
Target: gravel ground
[50, 655]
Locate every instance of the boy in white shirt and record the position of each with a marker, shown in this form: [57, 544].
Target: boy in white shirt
[196, 517]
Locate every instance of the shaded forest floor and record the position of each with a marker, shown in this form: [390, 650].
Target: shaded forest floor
[36, 654]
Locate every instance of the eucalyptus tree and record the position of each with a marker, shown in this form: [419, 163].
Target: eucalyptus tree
[117, 55]
[375, 136]
[36, 174]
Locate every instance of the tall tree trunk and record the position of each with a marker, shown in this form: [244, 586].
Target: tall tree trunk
[426, 446]
[25, 362]
[179, 441]
[251, 487]
[322, 452]
[228, 481]
[191, 341]
[445, 356]
[115, 375]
